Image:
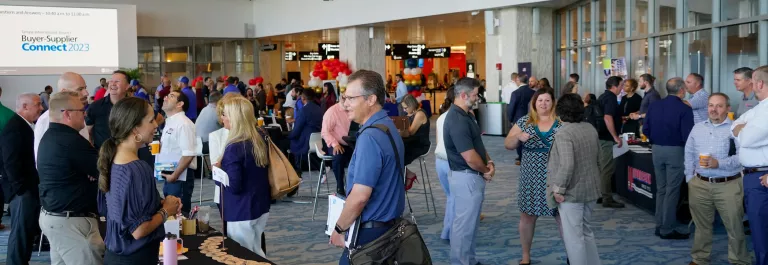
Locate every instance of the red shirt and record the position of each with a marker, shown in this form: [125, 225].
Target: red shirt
[99, 94]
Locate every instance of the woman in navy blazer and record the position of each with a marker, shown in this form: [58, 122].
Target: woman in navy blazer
[246, 200]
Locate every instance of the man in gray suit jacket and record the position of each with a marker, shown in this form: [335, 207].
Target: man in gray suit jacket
[573, 180]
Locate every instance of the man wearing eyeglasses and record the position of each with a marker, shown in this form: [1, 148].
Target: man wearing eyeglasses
[67, 167]
[68, 81]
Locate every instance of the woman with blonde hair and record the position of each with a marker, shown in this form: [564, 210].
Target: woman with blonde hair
[246, 200]
[536, 132]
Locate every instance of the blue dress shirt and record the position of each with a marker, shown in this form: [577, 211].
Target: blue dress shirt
[714, 139]
[699, 102]
[668, 122]
[373, 165]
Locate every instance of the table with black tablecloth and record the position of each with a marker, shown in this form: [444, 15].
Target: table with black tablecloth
[635, 180]
[195, 257]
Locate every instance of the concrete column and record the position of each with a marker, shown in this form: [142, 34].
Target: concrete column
[360, 51]
[515, 42]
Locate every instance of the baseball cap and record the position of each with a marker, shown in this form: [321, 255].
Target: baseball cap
[134, 82]
[184, 80]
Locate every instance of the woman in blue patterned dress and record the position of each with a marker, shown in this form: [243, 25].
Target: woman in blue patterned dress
[536, 132]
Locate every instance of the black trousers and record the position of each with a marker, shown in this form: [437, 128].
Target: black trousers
[25, 211]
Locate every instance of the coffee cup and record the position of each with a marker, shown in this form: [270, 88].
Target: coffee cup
[704, 159]
[155, 147]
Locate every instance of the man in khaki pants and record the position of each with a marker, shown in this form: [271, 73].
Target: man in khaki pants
[713, 173]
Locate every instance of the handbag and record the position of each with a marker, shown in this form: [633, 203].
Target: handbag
[282, 177]
[402, 244]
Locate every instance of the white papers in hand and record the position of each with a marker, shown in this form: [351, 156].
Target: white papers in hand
[335, 207]
[221, 176]
[618, 151]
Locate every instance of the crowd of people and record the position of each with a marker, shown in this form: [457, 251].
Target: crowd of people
[67, 160]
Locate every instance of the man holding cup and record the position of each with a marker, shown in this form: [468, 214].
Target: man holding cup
[713, 173]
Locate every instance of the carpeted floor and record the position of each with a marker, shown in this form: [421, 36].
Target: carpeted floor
[624, 236]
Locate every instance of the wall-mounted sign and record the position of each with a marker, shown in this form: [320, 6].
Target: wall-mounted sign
[310, 56]
[291, 56]
[268, 47]
[406, 51]
[329, 50]
[438, 52]
[388, 50]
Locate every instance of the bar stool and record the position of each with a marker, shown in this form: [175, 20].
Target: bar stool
[426, 183]
[315, 145]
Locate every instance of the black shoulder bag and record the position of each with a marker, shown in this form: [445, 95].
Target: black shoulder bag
[402, 244]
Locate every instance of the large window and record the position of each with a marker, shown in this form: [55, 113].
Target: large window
[619, 18]
[640, 18]
[699, 57]
[574, 27]
[735, 9]
[664, 38]
[664, 67]
[178, 57]
[602, 9]
[739, 43]
[667, 15]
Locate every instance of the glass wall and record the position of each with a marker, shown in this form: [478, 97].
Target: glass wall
[666, 38]
[176, 57]
[739, 43]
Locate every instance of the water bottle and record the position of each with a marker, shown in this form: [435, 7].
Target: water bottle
[169, 250]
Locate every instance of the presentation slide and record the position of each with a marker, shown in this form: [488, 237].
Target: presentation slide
[39, 40]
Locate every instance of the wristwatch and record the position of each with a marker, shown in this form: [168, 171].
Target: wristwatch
[339, 230]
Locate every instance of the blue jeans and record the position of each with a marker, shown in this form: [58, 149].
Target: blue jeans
[182, 190]
[365, 236]
[756, 198]
[442, 174]
[340, 162]
[468, 191]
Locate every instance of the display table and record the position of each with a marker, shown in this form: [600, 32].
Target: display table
[195, 257]
[635, 180]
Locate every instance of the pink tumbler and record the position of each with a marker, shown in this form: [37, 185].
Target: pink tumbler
[169, 250]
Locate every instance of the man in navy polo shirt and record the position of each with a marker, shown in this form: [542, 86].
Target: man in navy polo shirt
[374, 182]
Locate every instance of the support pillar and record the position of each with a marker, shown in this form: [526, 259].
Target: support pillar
[515, 42]
[362, 50]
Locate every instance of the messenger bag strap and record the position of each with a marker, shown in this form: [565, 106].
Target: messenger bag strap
[400, 170]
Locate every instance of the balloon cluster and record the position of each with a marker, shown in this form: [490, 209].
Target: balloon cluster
[329, 69]
[412, 77]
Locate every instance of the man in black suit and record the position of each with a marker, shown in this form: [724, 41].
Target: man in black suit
[518, 105]
[20, 177]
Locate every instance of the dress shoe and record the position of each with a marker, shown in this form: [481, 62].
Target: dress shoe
[599, 200]
[657, 233]
[675, 236]
[612, 204]
[517, 162]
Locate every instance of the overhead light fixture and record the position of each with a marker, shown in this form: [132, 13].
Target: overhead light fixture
[168, 61]
[474, 13]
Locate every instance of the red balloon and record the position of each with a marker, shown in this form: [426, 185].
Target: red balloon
[326, 63]
[348, 72]
[318, 66]
[334, 75]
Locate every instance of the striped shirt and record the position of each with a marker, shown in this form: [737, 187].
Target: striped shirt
[699, 102]
[714, 139]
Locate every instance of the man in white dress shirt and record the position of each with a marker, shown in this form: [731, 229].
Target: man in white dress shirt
[751, 133]
[68, 81]
[177, 144]
[506, 92]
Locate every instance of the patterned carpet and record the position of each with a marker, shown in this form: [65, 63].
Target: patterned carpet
[624, 236]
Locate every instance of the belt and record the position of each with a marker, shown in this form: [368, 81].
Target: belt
[748, 170]
[377, 224]
[718, 180]
[69, 214]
